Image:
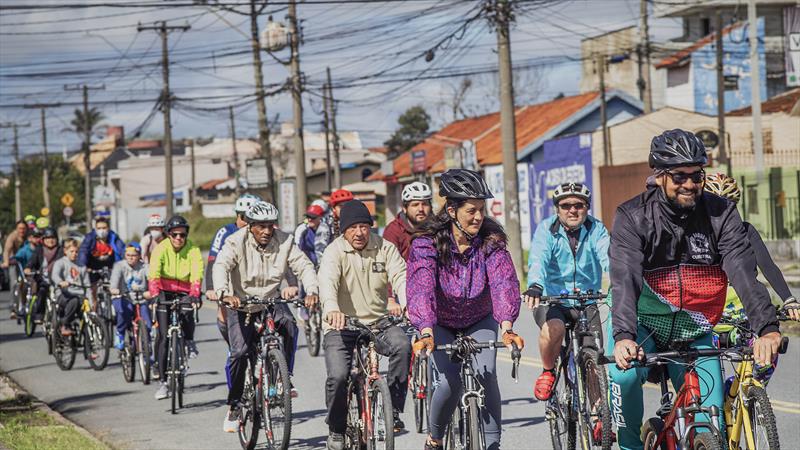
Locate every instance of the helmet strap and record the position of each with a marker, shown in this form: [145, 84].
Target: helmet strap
[466, 233]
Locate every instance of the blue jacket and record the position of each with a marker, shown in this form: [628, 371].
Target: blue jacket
[85, 251]
[216, 247]
[24, 254]
[552, 265]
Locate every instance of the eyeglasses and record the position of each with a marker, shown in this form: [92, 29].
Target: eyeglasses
[179, 235]
[567, 206]
[681, 177]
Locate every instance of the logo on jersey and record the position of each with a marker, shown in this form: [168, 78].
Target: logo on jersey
[700, 246]
[616, 405]
[378, 267]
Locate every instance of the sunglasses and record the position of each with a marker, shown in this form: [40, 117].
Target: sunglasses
[567, 206]
[179, 235]
[682, 177]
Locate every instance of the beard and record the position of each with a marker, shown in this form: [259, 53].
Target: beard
[681, 203]
[413, 221]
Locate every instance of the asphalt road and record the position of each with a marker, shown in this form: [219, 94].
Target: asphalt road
[127, 416]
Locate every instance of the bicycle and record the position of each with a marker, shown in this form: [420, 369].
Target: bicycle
[47, 326]
[177, 362]
[748, 413]
[104, 307]
[370, 419]
[88, 332]
[580, 404]
[20, 287]
[267, 397]
[136, 343]
[313, 329]
[465, 430]
[419, 388]
[29, 308]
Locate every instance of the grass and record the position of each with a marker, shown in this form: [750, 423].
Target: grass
[203, 229]
[24, 427]
[790, 328]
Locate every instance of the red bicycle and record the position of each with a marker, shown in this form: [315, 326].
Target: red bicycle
[137, 346]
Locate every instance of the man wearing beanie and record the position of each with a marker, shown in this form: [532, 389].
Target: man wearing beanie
[354, 273]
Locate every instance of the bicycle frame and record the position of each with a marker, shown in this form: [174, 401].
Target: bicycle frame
[742, 382]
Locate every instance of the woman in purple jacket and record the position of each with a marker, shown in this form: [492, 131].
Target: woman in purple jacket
[449, 289]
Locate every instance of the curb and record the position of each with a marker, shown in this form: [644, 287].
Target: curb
[20, 393]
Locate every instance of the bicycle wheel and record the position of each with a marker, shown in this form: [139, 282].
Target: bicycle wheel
[174, 367]
[706, 441]
[474, 425]
[762, 419]
[249, 414]
[354, 437]
[650, 431]
[94, 342]
[127, 357]
[419, 391]
[276, 400]
[314, 332]
[47, 327]
[30, 325]
[380, 426]
[143, 351]
[559, 412]
[64, 348]
[595, 408]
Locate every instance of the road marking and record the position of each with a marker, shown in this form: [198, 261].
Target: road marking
[777, 405]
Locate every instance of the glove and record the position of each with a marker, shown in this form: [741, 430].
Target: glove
[195, 301]
[425, 342]
[534, 290]
[509, 337]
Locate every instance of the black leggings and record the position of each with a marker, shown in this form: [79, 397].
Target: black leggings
[67, 305]
[187, 326]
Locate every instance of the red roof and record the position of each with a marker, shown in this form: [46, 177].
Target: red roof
[142, 144]
[781, 103]
[533, 122]
[211, 184]
[681, 55]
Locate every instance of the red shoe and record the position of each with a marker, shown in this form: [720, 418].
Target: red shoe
[544, 385]
[597, 433]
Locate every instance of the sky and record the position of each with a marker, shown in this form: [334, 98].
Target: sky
[375, 51]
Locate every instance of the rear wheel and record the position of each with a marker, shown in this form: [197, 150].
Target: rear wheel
[381, 434]
[762, 418]
[314, 332]
[650, 432]
[143, 351]
[127, 356]
[706, 441]
[354, 436]
[94, 341]
[249, 415]
[276, 400]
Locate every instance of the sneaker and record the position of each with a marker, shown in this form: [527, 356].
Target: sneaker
[293, 391]
[13, 315]
[231, 423]
[544, 385]
[154, 370]
[66, 331]
[193, 352]
[398, 424]
[162, 392]
[335, 441]
[430, 444]
[119, 342]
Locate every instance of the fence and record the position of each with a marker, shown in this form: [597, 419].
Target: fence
[782, 220]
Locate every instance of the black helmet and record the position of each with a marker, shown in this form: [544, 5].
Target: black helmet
[463, 184]
[49, 232]
[176, 222]
[677, 148]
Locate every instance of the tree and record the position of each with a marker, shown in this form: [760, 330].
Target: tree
[413, 129]
[63, 178]
[91, 122]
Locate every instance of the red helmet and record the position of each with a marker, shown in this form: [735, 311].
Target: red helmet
[315, 211]
[340, 196]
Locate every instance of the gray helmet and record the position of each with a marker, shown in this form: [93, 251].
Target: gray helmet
[463, 184]
[677, 148]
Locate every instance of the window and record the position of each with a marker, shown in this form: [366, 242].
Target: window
[752, 199]
[766, 135]
[178, 202]
[705, 26]
[677, 76]
[366, 173]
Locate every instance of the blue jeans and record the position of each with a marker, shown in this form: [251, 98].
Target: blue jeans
[125, 311]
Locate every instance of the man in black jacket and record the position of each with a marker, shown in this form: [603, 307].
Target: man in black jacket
[673, 249]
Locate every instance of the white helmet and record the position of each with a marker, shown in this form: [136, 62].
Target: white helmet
[261, 211]
[321, 203]
[155, 221]
[244, 202]
[416, 191]
[570, 189]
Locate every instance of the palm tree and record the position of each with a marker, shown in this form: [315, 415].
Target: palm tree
[90, 122]
[84, 125]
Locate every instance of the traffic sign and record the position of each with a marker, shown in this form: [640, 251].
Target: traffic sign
[67, 199]
[67, 211]
[45, 212]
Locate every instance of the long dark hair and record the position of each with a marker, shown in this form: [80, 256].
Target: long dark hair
[438, 227]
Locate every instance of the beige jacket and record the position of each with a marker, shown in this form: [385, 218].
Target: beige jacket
[241, 269]
[356, 282]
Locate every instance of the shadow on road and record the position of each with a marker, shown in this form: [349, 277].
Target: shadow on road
[193, 408]
[17, 337]
[205, 387]
[36, 366]
[305, 416]
[520, 401]
[523, 422]
[312, 442]
[208, 372]
[74, 404]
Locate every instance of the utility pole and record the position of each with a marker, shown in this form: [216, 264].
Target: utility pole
[261, 107]
[644, 37]
[297, 109]
[17, 182]
[166, 100]
[87, 151]
[723, 155]
[193, 190]
[45, 160]
[508, 133]
[326, 125]
[235, 153]
[755, 87]
[600, 63]
[337, 171]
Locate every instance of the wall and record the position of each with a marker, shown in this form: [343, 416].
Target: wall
[495, 207]
[772, 204]
[679, 95]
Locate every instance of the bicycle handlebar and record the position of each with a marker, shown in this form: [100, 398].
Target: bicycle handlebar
[661, 358]
[381, 323]
[465, 346]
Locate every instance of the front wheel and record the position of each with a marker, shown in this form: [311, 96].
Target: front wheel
[30, 324]
[380, 436]
[249, 415]
[127, 356]
[650, 432]
[173, 369]
[143, 351]
[94, 341]
[419, 391]
[706, 441]
[276, 400]
[64, 348]
[595, 410]
[314, 332]
[474, 425]
[762, 419]
[354, 438]
[558, 412]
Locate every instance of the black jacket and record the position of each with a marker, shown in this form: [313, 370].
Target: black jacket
[37, 261]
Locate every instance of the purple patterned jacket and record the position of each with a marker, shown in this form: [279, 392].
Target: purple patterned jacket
[462, 294]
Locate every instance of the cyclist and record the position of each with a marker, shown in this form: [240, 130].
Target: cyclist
[42, 260]
[30, 221]
[673, 250]
[68, 276]
[129, 275]
[100, 249]
[153, 235]
[329, 228]
[353, 277]
[176, 266]
[305, 234]
[15, 240]
[417, 207]
[569, 251]
[450, 290]
[322, 235]
[27, 250]
[242, 204]
[253, 262]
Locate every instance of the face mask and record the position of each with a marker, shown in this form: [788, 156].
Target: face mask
[102, 234]
[156, 234]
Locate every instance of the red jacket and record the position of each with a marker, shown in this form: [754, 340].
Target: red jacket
[398, 232]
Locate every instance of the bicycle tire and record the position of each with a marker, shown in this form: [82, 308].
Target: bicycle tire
[94, 339]
[249, 415]
[143, 351]
[277, 399]
[314, 333]
[380, 436]
[174, 367]
[30, 324]
[706, 441]
[419, 390]
[64, 349]
[595, 387]
[127, 357]
[563, 429]
[762, 418]
[650, 432]
[474, 426]
[47, 327]
[354, 438]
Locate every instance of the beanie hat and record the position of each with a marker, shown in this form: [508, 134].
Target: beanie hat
[353, 212]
